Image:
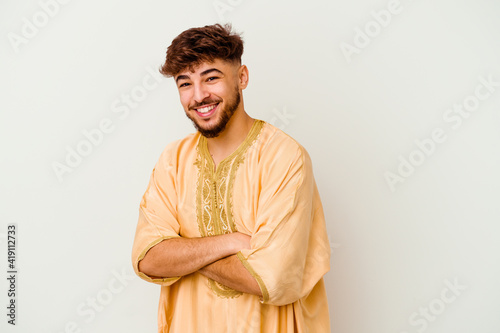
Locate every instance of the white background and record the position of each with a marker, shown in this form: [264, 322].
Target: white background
[395, 251]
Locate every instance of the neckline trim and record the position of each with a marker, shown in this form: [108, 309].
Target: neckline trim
[252, 134]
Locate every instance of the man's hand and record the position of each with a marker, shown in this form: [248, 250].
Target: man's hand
[230, 272]
[241, 241]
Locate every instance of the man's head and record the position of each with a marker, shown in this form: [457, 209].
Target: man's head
[206, 65]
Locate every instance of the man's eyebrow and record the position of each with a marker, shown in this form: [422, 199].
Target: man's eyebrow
[181, 77]
[210, 70]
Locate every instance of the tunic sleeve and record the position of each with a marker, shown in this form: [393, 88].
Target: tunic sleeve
[290, 250]
[157, 215]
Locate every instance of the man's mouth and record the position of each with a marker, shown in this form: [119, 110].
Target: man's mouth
[206, 110]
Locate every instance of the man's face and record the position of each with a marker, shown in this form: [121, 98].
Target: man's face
[210, 95]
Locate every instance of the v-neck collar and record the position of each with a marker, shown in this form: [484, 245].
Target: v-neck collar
[252, 134]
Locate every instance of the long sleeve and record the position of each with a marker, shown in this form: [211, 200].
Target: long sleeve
[290, 250]
[157, 214]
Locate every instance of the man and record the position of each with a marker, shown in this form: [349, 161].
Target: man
[231, 224]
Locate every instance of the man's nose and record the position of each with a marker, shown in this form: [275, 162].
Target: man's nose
[200, 93]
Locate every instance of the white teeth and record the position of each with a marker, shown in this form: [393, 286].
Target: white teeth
[206, 109]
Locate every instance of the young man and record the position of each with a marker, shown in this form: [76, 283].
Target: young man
[231, 224]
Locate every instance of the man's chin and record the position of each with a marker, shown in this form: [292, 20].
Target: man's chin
[211, 132]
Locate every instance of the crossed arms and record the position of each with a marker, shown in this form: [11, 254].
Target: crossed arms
[214, 257]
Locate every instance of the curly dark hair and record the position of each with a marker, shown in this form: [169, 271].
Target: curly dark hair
[205, 44]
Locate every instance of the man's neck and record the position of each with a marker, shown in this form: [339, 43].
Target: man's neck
[233, 135]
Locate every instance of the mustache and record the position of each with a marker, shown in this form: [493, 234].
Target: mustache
[205, 102]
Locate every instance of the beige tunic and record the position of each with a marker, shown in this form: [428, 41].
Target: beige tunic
[265, 189]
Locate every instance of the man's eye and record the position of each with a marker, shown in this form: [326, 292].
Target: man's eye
[183, 85]
[212, 78]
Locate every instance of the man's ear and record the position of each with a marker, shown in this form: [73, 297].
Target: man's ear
[243, 76]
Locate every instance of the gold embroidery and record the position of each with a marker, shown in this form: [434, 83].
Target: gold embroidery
[222, 290]
[214, 194]
[262, 286]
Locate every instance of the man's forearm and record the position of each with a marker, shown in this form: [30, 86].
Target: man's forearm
[231, 272]
[181, 256]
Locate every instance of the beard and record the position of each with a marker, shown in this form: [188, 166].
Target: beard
[225, 115]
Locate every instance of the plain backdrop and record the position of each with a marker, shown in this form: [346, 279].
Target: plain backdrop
[397, 102]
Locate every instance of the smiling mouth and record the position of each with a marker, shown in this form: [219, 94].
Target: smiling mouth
[206, 110]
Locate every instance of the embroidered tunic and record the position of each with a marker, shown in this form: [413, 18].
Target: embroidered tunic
[265, 189]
